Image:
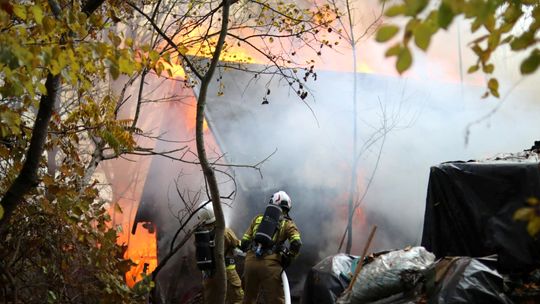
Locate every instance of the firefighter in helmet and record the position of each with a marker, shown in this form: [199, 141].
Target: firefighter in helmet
[272, 241]
[204, 245]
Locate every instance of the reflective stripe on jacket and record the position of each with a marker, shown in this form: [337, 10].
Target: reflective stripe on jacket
[287, 231]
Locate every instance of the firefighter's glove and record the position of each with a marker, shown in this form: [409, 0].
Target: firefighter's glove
[295, 247]
[286, 259]
[239, 253]
[244, 245]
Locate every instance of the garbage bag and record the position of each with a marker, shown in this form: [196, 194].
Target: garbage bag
[327, 280]
[469, 210]
[468, 280]
[383, 276]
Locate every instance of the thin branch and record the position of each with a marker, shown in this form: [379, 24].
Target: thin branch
[139, 98]
[193, 69]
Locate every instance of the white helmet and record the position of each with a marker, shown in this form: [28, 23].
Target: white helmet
[282, 199]
[206, 213]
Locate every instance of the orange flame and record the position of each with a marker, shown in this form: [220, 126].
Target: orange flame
[142, 250]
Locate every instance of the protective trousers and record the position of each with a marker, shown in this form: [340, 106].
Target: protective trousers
[264, 275]
[234, 295]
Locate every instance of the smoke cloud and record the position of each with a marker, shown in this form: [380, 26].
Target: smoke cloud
[432, 114]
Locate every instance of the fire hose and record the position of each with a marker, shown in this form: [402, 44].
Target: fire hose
[286, 290]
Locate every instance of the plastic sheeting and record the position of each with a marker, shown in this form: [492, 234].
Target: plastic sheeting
[452, 280]
[468, 280]
[469, 212]
[327, 280]
[383, 277]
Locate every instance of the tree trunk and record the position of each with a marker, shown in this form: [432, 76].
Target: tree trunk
[208, 170]
[354, 164]
[28, 178]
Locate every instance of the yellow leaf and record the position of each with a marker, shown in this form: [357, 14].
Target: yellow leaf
[386, 33]
[1, 212]
[125, 65]
[154, 55]
[533, 201]
[534, 226]
[38, 14]
[48, 23]
[114, 70]
[523, 214]
[117, 208]
[159, 68]
[19, 11]
[41, 88]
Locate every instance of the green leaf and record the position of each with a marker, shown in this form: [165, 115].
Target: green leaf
[415, 6]
[404, 60]
[393, 51]
[154, 55]
[395, 10]
[386, 33]
[422, 36]
[488, 68]
[473, 68]
[530, 64]
[476, 24]
[114, 70]
[512, 13]
[446, 15]
[1, 212]
[125, 66]
[493, 85]
[523, 41]
[38, 13]
[19, 11]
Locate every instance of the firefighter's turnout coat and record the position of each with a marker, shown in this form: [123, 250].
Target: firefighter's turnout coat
[235, 293]
[263, 273]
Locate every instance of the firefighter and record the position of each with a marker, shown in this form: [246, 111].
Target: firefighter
[204, 244]
[267, 252]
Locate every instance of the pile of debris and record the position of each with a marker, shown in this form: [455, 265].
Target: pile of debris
[472, 250]
[412, 275]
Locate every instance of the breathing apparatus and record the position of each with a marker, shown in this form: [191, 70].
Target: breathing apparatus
[204, 238]
[273, 215]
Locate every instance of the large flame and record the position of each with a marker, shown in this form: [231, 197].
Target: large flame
[129, 178]
[142, 250]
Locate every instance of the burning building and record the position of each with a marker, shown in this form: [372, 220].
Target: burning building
[310, 146]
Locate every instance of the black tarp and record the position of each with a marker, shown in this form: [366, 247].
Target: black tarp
[468, 280]
[327, 280]
[469, 212]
